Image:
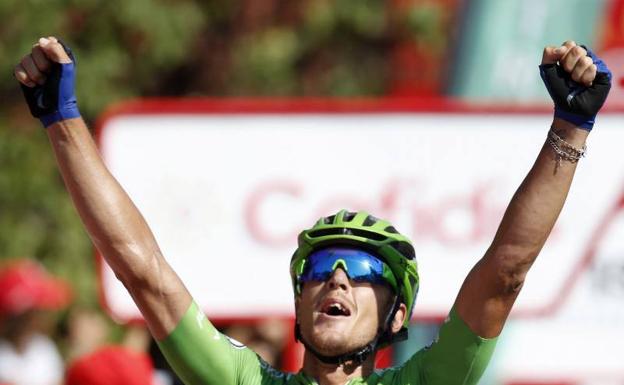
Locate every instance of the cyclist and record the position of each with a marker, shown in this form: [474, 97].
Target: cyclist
[354, 276]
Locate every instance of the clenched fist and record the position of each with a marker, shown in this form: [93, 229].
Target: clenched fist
[574, 60]
[578, 82]
[47, 77]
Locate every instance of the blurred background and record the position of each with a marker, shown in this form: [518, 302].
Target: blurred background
[479, 52]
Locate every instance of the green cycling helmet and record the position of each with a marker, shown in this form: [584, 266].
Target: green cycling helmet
[362, 230]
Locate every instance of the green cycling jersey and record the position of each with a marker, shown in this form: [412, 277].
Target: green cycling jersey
[201, 355]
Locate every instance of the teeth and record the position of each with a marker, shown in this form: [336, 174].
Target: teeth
[336, 309]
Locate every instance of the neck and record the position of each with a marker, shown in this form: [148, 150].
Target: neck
[329, 374]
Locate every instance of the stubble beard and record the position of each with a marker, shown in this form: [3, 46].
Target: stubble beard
[333, 343]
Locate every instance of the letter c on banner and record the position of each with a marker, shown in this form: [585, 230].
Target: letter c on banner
[253, 211]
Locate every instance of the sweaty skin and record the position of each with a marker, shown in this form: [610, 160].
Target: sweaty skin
[203, 356]
[343, 334]
[492, 286]
[339, 335]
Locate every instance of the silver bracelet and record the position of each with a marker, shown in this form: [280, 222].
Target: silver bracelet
[565, 150]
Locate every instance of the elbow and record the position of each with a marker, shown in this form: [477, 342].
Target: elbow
[133, 266]
[510, 283]
[145, 277]
[145, 273]
[511, 269]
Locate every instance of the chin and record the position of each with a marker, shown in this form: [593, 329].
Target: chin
[332, 341]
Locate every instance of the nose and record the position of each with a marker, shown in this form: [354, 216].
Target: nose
[339, 280]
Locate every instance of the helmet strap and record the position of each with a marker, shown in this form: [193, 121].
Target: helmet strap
[383, 337]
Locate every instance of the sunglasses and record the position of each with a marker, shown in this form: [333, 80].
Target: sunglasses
[359, 265]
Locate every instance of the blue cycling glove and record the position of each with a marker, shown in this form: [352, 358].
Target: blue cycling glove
[55, 99]
[574, 102]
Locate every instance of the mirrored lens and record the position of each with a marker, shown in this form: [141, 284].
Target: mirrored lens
[360, 266]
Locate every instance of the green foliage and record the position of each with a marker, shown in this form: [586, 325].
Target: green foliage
[121, 46]
[140, 48]
[338, 46]
[426, 22]
[265, 61]
[37, 218]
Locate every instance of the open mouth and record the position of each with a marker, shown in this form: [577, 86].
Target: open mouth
[335, 309]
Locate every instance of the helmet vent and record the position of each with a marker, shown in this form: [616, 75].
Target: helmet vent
[348, 216]
[369, 221]
[346, 231]
[391, 229]
[329, 220]
[404, 248]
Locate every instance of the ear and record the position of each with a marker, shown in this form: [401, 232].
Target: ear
[399, 318]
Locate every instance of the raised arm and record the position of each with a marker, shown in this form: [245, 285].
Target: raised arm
[113, 222]
[491, 288]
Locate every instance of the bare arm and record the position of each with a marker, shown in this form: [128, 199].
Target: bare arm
[113, 222]
[491, 288]
[118, 229]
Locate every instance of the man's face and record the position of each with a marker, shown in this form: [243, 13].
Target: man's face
[338, 315]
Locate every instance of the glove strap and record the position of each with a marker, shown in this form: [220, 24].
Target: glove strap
[584, 122]
[67, 107]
